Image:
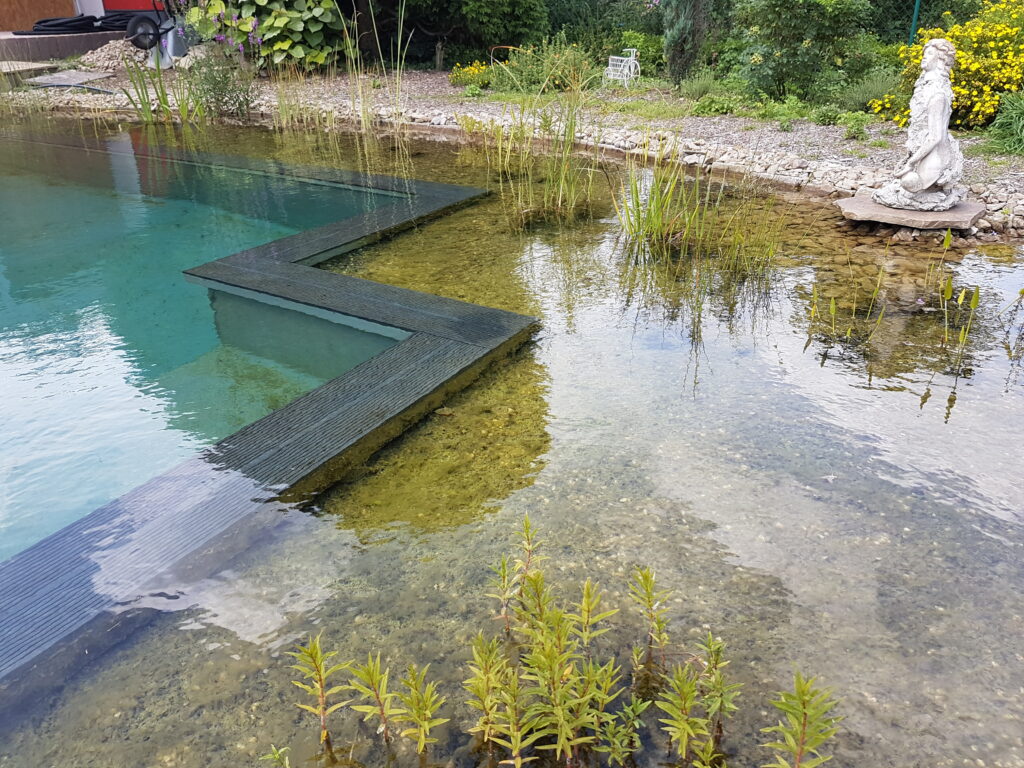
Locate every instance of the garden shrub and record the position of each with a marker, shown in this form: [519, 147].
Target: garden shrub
[790, 41]
[221, 85]
[697, 85]
[855, 123]
[1007, 130]
[686, 25]
[784, 111]
[989, 64]
[826, 114]
[717, 104]
[503, 22]
[554, 65]
[469, 27]
[273, 31]
[650, 50]
[477, 74]
[856, 96]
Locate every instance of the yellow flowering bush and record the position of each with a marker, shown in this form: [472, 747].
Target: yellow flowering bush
[989, 63]
[477, 73]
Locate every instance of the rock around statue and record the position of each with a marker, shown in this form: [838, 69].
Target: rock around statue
[928, 180]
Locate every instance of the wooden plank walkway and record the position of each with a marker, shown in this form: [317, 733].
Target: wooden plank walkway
[77, 591]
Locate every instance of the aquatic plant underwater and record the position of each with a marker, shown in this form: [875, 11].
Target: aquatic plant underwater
[545, 686]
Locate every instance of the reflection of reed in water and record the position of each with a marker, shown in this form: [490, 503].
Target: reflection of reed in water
[697, 249]
[912, 321]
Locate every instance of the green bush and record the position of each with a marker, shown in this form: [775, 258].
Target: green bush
[717, 104]
[785, 111]
[826, 114]
[1007, 130]
[221, 85]
[791, 41]
[686, 26]
[698, 85]
[307, 32]
[554, 65]
[855, 123]
[469, 27]
[650, 50]
[874, 85]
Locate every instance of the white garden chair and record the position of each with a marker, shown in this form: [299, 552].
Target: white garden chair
[624, 69]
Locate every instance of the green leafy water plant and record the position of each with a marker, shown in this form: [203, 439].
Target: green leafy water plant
[644, 592]
[532, 151]
[718, 694]
[589, 614]
[552, 687]
[278, 757]
[148, 108]
[370, 682]
[808, 723]
[506, 587]
[488, 672]
[314, 665]
[421, 702]
[679, 702]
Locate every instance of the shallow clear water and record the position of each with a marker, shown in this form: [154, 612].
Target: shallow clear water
[115, 368]
[813, 500]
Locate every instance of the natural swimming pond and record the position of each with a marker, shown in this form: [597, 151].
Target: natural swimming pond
[115, 367]
[851, 507]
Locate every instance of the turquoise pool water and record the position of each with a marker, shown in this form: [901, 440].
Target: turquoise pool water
[114, 368]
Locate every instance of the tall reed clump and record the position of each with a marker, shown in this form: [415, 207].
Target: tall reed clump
[692, 242]
[550, 685]
[533, 154]
[664, 211]
[155, 100]
[381, 71]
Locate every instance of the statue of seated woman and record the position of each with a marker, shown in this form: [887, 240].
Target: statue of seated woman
[928, 180]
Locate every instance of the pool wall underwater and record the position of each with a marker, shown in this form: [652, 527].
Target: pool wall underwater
[84, 588]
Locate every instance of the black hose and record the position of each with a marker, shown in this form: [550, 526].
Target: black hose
[76, 25]
[71, 85]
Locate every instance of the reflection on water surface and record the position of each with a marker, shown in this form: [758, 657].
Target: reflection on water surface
[794, 487]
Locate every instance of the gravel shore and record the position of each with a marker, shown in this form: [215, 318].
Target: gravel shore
[809, 157]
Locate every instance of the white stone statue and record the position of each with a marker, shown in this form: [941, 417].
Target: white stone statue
[929, 178]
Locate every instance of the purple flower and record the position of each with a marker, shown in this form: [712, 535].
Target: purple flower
[234, 18]
[163, 42]
[219, 38]
[241, 48]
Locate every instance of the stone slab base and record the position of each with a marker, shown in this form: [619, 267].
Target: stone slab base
[68, 77]
[863, 208]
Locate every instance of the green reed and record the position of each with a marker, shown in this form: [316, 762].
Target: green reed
[542, 175]
[139, 81]
[663, 211]
[552, 685]
[154, 100]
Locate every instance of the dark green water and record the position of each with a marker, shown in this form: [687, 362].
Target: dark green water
[790, 487]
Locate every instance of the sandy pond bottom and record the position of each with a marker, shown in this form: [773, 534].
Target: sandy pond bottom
[855, 509]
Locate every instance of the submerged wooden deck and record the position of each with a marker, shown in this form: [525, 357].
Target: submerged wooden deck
[80, 590]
